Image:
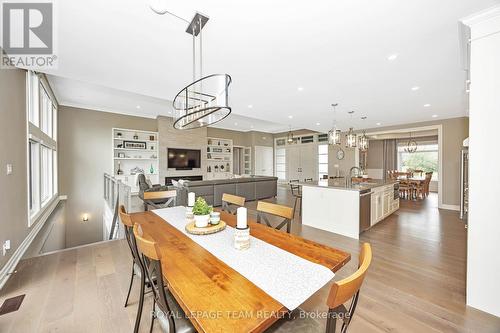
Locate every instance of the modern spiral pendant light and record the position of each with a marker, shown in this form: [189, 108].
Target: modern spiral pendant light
[205, 101]
[363, 141]
[334, 136]
[351, 137]
[411, 146]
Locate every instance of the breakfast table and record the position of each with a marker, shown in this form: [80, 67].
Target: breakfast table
[222, 289]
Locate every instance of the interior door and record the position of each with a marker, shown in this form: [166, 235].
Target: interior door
[293, 163]
[264, 161]
[308, 161]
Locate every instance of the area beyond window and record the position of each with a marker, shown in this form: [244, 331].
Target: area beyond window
[426, 158]
[42, 145]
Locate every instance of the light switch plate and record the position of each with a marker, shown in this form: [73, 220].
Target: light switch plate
[9, 169]
[5, 247]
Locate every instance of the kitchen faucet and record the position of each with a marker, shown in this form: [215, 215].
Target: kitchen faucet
[348, 180]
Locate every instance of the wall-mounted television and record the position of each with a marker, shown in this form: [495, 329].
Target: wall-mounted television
[184, 159]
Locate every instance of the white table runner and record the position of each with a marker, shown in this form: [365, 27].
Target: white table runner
[287, 278]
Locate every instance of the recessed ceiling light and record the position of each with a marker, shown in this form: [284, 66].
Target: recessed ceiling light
[426, 105]
[415, 88]
[378, 124]
[251, 126]
[392, 57]
[300, 88]
[138, 107]
[317, 124]
[434, 116]
[235, 124]
[290, 117]
[250, 106]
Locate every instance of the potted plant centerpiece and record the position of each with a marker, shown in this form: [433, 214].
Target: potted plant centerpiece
[201, 212]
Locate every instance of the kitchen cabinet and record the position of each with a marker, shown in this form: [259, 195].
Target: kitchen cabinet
[302, 161]
[383, 203]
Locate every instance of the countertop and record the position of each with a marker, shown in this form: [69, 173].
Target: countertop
[339, 184]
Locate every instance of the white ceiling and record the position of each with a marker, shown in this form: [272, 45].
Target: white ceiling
[336, 51]
[90, 96]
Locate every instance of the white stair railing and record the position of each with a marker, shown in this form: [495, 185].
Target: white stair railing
[116, 193]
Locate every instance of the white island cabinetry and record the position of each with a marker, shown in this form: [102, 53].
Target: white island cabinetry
[335, 207]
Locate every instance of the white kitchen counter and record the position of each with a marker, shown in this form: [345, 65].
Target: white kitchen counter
[330, 205]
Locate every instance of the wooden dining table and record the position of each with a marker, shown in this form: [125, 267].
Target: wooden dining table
[215, 297]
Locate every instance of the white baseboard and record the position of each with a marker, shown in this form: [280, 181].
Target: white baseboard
[11, 264]
[450, 207]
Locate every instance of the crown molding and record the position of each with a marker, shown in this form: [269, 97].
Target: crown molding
[483, 23]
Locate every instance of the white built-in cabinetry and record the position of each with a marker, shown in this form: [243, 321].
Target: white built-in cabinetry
[134, 151]
[219, 158]
[383, 203]
[302, 161]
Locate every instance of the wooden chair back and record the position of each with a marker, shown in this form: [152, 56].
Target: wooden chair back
[124, 217]
[347, 288]
[157, 195]
[159, 199]
[233, 199]
[276, 210]
[151, 262]
[230, 199]
[146, 244]
[295, 187]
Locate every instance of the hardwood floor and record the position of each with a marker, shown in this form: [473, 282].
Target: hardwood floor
[416, 282]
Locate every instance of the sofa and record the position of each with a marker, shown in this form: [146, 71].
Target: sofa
[251, 188]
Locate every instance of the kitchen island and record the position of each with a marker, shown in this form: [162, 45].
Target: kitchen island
[348, 209]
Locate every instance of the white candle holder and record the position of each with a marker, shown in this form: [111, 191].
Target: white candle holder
[189, 214]
[242, 238]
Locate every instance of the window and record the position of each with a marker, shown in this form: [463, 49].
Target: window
[42, 145]
[33, 106]
[425, 158]
[281, 163]
[46, 174]
[322, 161]
[46, 111]
[34, 177]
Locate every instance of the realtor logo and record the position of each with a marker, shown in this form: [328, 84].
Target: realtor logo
[27, 35]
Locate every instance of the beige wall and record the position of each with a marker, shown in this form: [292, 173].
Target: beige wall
[85, 151]
[345, 164]
[13, 150]
[455, 130]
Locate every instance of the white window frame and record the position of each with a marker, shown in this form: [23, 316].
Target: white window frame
[278, 165]
[320, 174]
[42, 134]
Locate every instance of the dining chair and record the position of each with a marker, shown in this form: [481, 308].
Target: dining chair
[169, 314]
[428, 179]
[276, 210]
[160, 199]
[137, 268]
[341, 293]
[234, 200]
[297, 194]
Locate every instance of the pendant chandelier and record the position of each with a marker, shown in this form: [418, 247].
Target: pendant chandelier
[411, 146]
[363, 141]
[289, 136]
[205, 101]
[351, 137]
[334, 136]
